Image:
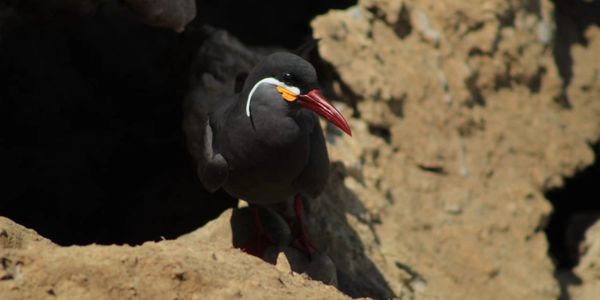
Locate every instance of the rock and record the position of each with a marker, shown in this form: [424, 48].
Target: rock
[182, 268]
[282, 264]
[588, 269]
[451, 184]
[174, 14]
[439, 194]
[55, 9]
[236, 226]
[584, 84]
[15, 236]
[453, 208]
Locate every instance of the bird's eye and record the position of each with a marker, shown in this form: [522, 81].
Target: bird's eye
[287, 77]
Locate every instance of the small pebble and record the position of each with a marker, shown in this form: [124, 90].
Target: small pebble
[453, 208]
[283, 264]
[216, 256]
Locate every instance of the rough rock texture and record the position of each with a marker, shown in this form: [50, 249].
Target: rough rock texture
[165, 13]
[187, 268]
[461, 122]
[588, 269]
[15, 236]
[467, 101]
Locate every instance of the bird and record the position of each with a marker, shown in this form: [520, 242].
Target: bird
[265, 144]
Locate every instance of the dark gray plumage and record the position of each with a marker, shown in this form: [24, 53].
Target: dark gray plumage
[276, 153]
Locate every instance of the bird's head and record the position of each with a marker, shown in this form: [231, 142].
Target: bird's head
[295, 82]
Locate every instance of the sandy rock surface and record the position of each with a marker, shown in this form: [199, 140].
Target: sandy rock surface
[461, 121]
[588, 269]
[187, 268]
[451, 195]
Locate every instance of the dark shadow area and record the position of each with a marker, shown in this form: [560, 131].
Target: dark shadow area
[91, 148]
[576, 208]
[575, 204]
[267, 22]
[572, 18]
[90, 141]
[358, 276]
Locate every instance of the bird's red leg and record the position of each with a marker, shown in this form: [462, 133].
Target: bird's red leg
[258, 244]
[302, 242]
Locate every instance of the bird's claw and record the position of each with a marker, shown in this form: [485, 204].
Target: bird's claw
[302, 242]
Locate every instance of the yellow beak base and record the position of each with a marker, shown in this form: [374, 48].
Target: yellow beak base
[287, 95]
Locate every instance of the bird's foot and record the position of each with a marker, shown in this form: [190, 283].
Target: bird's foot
[302, 242]
[258, 244]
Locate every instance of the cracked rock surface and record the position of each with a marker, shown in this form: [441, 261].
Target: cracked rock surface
[188, 268]
[469, 133]
[461, 117]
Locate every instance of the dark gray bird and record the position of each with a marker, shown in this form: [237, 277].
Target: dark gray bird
[265, 145]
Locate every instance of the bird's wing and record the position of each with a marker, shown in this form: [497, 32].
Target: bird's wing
[215, 74]
[313, 178]
[212, 168]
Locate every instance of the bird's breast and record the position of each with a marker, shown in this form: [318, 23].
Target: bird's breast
[281, 150]
[265, 159]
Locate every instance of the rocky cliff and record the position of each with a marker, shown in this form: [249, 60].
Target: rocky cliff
[464, 114]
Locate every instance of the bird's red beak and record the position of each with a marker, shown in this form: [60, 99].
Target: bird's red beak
[315, 101]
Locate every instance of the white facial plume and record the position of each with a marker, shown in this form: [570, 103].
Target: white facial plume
[271, 81]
